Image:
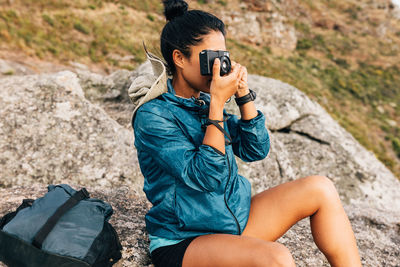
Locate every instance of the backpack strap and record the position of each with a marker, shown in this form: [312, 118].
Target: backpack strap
[9, 216]
[52, 221]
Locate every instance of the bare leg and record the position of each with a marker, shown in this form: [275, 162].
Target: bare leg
[275, 210]
[272, 213]
[221, 250]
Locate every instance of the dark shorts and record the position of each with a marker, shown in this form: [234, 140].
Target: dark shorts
[170, 256]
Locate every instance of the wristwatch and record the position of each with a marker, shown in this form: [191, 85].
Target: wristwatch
[246, 98]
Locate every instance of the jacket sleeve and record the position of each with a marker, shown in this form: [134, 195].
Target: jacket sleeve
[201, 168]
[250, 138]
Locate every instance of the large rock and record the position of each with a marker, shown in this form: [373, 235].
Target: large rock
[50, 133]
[50, 125]
[269, 29]
[111, 92]
[396, 8]
[265, 23]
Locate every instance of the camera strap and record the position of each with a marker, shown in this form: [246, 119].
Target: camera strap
[219, 127]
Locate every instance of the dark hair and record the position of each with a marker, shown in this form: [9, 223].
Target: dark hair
[185, 28]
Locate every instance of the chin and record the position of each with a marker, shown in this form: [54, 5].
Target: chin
[206, 89]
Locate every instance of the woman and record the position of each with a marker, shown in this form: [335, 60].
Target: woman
[203, 213]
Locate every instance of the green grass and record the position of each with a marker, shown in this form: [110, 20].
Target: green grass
[302, 27]
[79, 26]
[48, 19]
[70, 35]
[352, 12]
[396, 146]
[150, 17]
[222, 2]
[304, 44]
[9, 72]
[147, 6]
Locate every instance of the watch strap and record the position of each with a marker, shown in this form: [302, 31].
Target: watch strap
[251, 96]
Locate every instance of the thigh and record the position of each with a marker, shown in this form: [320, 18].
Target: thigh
[274, 211]
[233, 250]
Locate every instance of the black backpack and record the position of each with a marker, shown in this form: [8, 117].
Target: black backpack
[63, 228]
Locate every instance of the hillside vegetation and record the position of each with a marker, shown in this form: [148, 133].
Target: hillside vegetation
[345, 55]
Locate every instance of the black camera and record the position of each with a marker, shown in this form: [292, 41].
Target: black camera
[207, 58]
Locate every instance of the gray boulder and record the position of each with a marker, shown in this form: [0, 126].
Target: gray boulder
[50, 133]
[111, 92]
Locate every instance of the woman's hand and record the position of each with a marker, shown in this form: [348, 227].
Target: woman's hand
[243, 88]
[222, 88]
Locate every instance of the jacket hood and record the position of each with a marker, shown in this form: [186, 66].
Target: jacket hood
[149, 86]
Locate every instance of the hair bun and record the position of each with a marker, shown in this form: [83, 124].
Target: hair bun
[174, 8]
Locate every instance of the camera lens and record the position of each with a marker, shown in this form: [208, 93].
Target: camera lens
[225, 65]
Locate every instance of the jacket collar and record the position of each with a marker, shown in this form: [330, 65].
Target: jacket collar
[192, 103]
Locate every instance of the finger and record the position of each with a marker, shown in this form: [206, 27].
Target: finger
[245, 73]
[244, 77]
[236, 69]
[242, 84]
[233, 65]
[216, 69]
[242, 73]
[244, 69]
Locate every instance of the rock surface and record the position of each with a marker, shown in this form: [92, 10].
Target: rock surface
[261, 28]
[396, 7]
[13, 68]
[50, 133]
[377, 236]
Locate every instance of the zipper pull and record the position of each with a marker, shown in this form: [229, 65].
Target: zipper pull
[199, 102]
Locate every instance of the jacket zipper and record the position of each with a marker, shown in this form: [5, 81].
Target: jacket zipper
[226, 203]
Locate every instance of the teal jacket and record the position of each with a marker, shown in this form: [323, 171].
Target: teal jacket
[194, 188]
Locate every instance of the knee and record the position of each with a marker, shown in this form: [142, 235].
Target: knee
[282, 257]
[276, 256]
[322, 187]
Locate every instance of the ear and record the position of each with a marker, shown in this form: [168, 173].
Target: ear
[179, 58]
